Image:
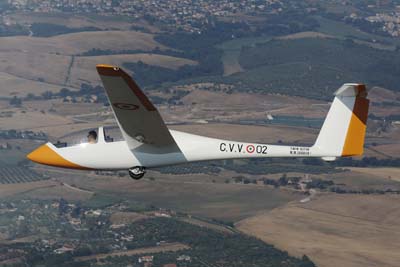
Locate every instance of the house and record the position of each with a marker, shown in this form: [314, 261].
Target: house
[75, 221]
[64, 249]
[162, 214]
[5, 146]
[184, 258]
[146, 259]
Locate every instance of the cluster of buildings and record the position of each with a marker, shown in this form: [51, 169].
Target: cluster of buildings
[147, 261]
[188, 15]
[14, 134]
[391, 22]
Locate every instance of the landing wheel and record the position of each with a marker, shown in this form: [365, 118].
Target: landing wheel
[137, 172]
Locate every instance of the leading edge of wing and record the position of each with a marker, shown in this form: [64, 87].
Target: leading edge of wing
[147, 122]
[108, 70]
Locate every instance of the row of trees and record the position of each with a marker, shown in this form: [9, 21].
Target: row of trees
[86, 90]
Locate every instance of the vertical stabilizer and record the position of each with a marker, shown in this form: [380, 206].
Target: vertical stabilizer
[343, 132]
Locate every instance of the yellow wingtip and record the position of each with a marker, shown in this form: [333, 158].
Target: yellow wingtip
[105, 66]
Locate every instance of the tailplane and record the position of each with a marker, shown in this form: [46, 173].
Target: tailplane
[343, 132]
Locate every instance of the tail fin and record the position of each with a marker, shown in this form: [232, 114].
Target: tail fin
[343, 132]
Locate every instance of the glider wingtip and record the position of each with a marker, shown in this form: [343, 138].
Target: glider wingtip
[108, 70]
[106, 66]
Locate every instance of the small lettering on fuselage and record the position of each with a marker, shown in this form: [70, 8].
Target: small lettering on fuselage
[302, 151]
[242, 148]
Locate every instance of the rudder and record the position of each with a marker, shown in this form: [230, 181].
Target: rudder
[343, 132]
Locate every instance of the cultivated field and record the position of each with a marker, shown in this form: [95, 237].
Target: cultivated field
[15, 86]
[36, 66]
[34, 120]
[391, 174]
[390, 150]
[12, 190]
[334, 230]
[77, 43]
[51, 60]
[78, 21]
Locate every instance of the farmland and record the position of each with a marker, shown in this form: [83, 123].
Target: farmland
[227, 82]
[333, 230]
[13, 175]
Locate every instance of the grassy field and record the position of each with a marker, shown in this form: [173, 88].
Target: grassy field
[32, 120]
[194, 194]
[391, 150]
[74, 21]
[16, 86]
[334, 230]
[14, 190]
[27, 58]
[365, 178]
[77, 43]
[391, 174]
[34, 65]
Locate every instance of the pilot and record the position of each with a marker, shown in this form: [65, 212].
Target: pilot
[92, 137]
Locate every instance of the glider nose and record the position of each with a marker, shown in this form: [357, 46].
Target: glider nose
[48, 156]
[43, 155]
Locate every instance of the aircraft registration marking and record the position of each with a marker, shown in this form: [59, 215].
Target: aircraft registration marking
[241, 148]
[303, 151]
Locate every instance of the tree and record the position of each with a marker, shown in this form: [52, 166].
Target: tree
[63, 206]
[47, 95]
[283, 180]
[306, 262]
[15, 101]
[64, 92]
[30, 96]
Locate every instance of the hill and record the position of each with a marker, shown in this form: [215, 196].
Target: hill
[315, 67]
[334, 230]
[77, 43]
[55, 60]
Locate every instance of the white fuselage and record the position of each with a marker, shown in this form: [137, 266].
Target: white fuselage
[118, 155]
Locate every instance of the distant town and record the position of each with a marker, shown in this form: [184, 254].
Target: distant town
[194, 15]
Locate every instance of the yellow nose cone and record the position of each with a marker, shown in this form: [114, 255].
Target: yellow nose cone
[45, 155]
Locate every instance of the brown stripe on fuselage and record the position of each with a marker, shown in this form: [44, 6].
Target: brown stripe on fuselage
[107, 70]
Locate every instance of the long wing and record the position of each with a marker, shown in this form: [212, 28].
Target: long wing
[136, 115]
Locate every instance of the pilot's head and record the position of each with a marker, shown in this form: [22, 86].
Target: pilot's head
[92, 137]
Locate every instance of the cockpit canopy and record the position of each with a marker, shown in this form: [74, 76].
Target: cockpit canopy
[90, 136]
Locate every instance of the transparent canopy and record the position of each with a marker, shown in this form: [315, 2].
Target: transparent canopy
[89, 136]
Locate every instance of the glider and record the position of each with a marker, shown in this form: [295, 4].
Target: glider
[148, 143]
